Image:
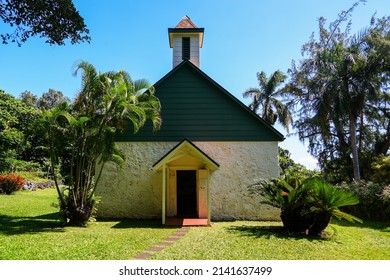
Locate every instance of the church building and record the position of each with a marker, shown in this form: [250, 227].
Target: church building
[199, 165]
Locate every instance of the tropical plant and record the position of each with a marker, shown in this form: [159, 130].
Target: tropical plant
[290, 195]
[84, 137]
[272, 109]
[340, 86]
[325, 202]
[306, 206]
[11, 183]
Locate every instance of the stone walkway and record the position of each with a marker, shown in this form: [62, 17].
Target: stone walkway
[161, 245]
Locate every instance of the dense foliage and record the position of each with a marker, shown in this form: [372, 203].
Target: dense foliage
[16, 121]
[381, 170]
[82, 137]
[47, 101]
[374, 200]
[11, 183]
[22, 147]
[288, 167]
[339, 94]
[341, 88]
[57, 20]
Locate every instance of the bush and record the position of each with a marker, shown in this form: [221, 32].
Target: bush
[385, 196]
[381, 170]
[306, 205]
[374, 200]
[11, 183]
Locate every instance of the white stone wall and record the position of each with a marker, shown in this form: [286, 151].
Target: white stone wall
[135, 190]
[194, 49]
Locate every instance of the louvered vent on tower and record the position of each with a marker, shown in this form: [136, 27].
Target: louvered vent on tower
[186, 48]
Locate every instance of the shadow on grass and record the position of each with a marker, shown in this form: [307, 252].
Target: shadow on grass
[130, 223]
[376, 225]
[272, 232]
[21, 225]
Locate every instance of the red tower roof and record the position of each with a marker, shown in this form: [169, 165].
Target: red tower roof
[186, 23]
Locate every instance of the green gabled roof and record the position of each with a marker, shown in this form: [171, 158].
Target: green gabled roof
[196, 107]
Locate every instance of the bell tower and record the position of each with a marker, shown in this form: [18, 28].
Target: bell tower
[186, 39]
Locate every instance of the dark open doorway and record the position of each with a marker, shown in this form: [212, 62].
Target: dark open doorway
[186, 193]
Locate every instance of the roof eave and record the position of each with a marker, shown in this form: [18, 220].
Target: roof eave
[212, 165]
[183, 31]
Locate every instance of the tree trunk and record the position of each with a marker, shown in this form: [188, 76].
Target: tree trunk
[382, 147]
[354, 149]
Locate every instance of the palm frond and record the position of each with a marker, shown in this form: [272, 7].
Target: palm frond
[141, 85]
[342, 215]
[274, 81]
[251, 91]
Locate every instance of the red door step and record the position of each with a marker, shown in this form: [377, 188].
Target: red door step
[172, 221]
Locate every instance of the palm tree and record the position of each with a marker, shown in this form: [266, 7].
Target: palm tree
[105, 105]
[266, 97]
[335, 84]
[340, 88]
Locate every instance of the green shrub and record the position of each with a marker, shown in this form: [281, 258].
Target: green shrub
[10, 183]
[374, 200]
[385, 196]
[381, 170]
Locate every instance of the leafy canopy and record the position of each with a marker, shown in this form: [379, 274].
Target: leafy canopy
[341, 88]
[57, 20]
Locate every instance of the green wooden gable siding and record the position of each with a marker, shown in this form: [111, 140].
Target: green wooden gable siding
[197, 108]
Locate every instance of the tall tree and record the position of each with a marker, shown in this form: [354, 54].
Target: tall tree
[51, 99]
[47, 101]
[266, 99]
[57, 20]
[85, 136]
[28, 98]
[334, 84]
[16, 119]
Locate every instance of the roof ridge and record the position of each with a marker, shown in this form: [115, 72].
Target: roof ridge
[186, 23]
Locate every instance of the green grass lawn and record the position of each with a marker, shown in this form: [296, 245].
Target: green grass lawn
[243, 240]
[30, 229]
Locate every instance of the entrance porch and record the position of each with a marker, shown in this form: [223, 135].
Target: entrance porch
[185, 185]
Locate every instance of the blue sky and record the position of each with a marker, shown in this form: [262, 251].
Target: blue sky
[241, 38]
